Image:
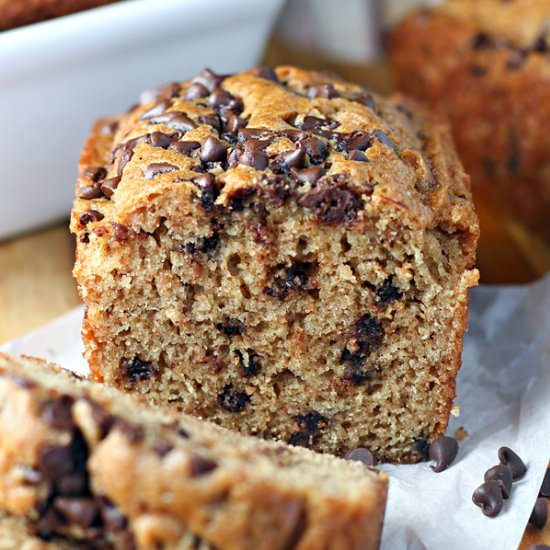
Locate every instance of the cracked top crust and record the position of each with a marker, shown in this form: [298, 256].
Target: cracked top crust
[206, 146]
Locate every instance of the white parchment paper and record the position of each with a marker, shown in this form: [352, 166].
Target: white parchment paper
[504, 398]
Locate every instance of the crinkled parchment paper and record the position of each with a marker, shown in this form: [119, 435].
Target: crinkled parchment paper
[504, 399]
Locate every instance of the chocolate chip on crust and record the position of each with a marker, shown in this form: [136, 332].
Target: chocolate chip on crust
[90, 216]
[156, 168]
[209, 191]
[201, 465]
[232, 400]
[213, 150]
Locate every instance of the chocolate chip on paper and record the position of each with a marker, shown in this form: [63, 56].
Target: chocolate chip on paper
[539, 515]
[443, 451]
[513, 461]
[488, 497]
[503, 476]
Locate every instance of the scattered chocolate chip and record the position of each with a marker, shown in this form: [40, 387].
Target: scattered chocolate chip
[156, 168]
[545, 487]
[162, 140]
[57, 413]
[266, 72]
[488, 497]
[239, 198]
[250, 365]
[109, 186]
[307, 175]
[156, 109]
[185, 147]
[136, 370]
[90, 216]
[503, 476]
[358, 156]
[54, 461]
[443, 451]
[387, 292]
[81, 511]
[513, 461]
[162, 447]
[361, 454]
[332, 201]
[213, 150]
[232, 400]
[322, 90]
[120, 232]
[201, 465]
[231, 327]
[209, 79]
[539, 515]
[316, 149]
[196, 91]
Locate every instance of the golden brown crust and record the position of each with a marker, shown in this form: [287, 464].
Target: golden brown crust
[164, 477]
[16, 13]
[486, 65]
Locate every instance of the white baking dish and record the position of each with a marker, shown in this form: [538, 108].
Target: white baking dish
[56, 77]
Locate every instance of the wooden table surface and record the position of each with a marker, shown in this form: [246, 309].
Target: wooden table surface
[35, 269]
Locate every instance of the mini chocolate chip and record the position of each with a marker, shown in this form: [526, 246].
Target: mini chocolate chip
[156, 168]
[387, 292]
[201, 465]
[72, 484]
[57, 413]
[361, 454]
[89, 192]
[185, 147]
[81, 511]
[132, 432]
[209, 79]
[545, 487]
[266, 72]
[231, 327]
[162, 447]
[307, 175]
[54, 461]
[539, 515]
[322, 90]
[209, 192]
[209, 244]
[196, 91]
[443, 451]
[109, 186]
[502, 474]
[213, 150]
[358, 156]
[136, 370]
[252, 365]
[232, 399]
[156, 109]
[120, 232]
[316, 149]
[332, 201]
[513, 461]
[174, 119]
[90, 216]
[488, 497]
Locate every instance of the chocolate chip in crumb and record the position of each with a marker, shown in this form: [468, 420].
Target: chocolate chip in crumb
[135, 370]
[316, 149]
[240, 198]
[545, 487]
[443, 451]
[358, 156]
[387, 292]
[196, 91]
[120, 232]
[322, 90]
[54, 461]
[232, 400]
[421, 446]
[201, 465]
[90, 216]
[162, 447]
[361, 454]
[57, 413]
[312, 421]
[250, 364]
[231, 327]
[81, 511]
[213, 150]
[109, 186]
[307, 175]
[133, 432]
[503, 476]
[539, 515]
[488, 497]
[209, 192]
[72, 484]
[156, 168]
[513, 461]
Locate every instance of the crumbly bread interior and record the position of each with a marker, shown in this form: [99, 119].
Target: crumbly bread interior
[170, 481]
[322, 308]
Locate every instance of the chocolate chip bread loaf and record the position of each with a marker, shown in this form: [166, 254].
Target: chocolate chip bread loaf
[487, 65]
[280, 252]
[82, 462]
[15, 13]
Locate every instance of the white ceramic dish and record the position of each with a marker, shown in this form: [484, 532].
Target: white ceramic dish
[56, 77]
